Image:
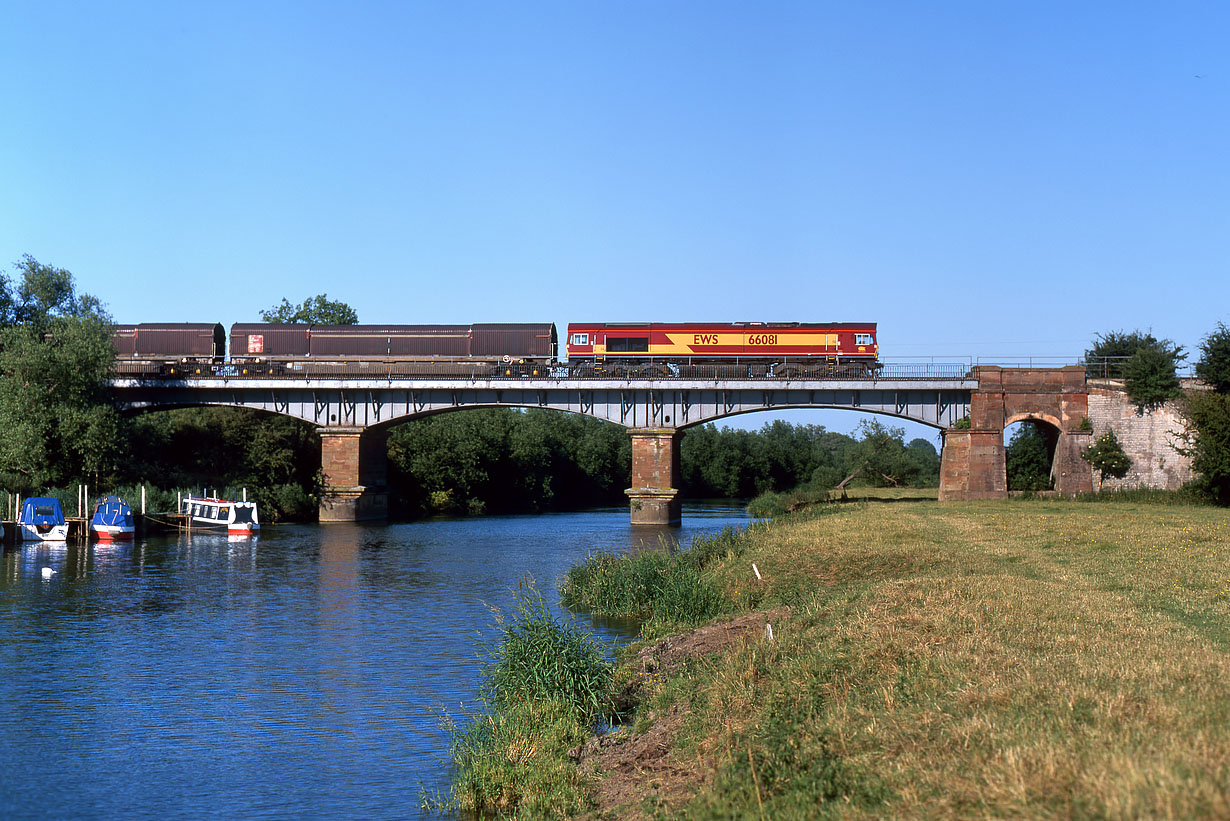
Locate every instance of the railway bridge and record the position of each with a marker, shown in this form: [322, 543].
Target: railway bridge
[970, 405]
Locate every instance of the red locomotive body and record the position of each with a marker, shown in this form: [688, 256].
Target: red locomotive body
[782, 348]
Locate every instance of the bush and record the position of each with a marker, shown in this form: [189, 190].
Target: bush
[767, 506]
[1107, 457]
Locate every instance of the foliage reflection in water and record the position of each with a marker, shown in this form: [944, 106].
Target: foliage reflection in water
[305, 671]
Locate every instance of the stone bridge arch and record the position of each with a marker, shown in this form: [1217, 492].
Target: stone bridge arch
[972, 462]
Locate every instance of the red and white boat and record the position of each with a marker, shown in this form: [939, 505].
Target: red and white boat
[209, 513]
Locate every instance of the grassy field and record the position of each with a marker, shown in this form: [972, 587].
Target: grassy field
[1006, 659]
[1011, 659]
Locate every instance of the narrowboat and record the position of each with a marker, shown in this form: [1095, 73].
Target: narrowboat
[220, 515]
[42, 519]
[112, 520]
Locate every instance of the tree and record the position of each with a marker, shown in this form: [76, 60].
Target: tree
[1214, 364]
[1206, 438]
[275, 457]
[883, 456]
[1147, 365]
[1111, 351]
[318, 310]
[1107, 457]
[55, 356]
[1150, 376]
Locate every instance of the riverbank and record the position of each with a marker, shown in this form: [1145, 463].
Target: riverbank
[1022, 658]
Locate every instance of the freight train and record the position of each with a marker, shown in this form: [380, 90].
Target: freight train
[618, 350]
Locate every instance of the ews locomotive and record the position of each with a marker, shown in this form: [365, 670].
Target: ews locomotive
[783, 349]
[619, 350]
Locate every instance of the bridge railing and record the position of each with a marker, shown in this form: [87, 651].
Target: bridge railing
[1115, 367]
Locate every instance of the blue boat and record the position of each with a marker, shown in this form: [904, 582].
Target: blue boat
[42, 519]
[112, 520]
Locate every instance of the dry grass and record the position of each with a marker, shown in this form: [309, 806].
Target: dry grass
[1014, 659]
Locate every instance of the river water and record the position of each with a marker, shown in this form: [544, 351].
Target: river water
[303, 673]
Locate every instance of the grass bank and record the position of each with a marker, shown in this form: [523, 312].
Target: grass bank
[1027, 658]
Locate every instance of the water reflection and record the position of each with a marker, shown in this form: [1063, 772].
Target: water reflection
[302, 672]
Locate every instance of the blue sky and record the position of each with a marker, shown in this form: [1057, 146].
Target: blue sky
[982, 179]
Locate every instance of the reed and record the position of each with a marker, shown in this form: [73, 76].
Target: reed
[540, 658]
[660, 587]
[547, 684]
[514, 763]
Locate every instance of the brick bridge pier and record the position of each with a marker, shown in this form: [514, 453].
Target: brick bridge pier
[355, 464]
[972, 464]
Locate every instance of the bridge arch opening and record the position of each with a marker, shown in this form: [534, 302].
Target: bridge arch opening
[1031, 442]
[501, 459]
[232, 450]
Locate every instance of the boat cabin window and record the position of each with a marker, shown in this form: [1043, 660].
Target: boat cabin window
[628, 344]
[862, 339]
[43, 510]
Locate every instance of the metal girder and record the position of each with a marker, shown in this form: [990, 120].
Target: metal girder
[646, 403]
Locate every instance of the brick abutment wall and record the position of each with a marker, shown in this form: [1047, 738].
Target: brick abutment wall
[1148, 438]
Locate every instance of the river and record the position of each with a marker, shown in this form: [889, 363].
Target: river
[303, 673]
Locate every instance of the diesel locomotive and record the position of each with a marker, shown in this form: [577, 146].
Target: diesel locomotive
[618, 350]
[781, 349]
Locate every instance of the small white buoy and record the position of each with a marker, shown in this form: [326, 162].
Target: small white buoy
[48, 572]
